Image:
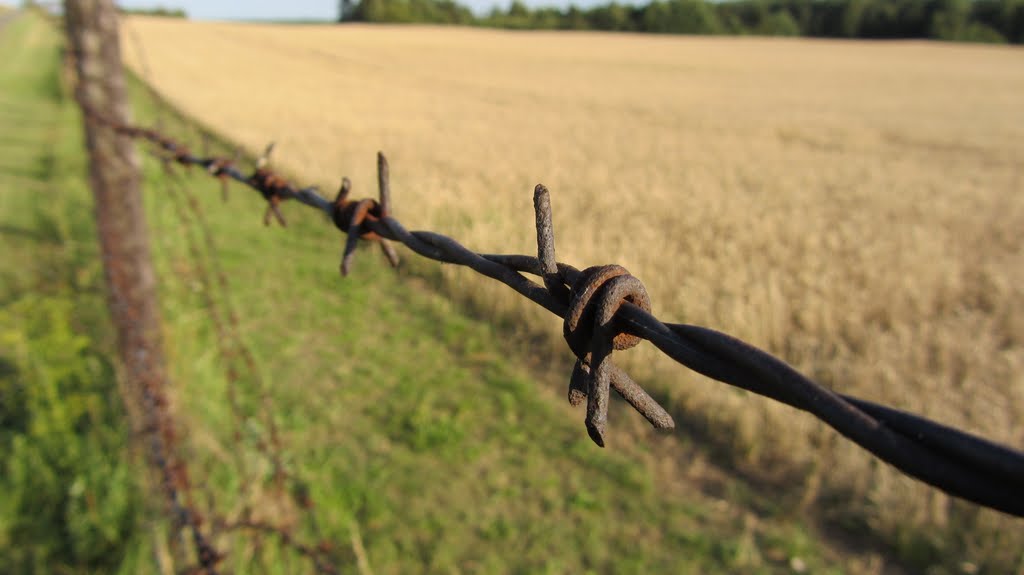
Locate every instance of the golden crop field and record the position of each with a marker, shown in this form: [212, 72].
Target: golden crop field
[855, 208]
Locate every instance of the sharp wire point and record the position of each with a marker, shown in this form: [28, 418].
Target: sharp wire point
[384, 184]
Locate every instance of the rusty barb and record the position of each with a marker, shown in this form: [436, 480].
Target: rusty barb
[272, 187]
[592, 301]
[604, 309]
[354, 217]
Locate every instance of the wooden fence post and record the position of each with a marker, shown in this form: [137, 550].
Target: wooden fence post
[115, 178]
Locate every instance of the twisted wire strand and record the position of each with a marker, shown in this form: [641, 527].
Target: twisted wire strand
[158, 431]
[959, 463]
[233, 350]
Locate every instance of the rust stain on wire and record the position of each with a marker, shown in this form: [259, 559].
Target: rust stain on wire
[606, 309]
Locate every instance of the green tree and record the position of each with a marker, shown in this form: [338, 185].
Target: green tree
[518, 9]
[779, 23]
[612, 16]
[422, 11]
[950, 19]
[346, 9]
[681, 17]
[1011, 20]
[575, 19]
[979, 32]
[548, 18]
[853, 13]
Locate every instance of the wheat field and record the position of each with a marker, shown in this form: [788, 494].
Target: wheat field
[854, 208]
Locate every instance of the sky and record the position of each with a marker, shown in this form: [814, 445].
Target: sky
[301, 9]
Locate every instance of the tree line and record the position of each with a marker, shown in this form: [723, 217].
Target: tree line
[997, 21]
[154, 11]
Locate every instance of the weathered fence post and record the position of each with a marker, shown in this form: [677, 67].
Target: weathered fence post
[115, 180]
[114, 175]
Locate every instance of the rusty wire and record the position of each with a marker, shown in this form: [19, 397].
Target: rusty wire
[605, 309]
[232, 350]
[160, 435]
[319, 556]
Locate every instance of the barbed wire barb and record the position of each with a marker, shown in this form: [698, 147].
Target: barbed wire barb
[350, 216]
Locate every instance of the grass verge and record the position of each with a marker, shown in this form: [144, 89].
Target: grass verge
[69, 496]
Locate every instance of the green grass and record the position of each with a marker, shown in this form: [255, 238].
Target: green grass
[69, 497]
[419, 432]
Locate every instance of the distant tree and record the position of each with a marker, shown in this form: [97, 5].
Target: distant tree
[547, 18]
[738, 17]
[914, 18]
[517, 16]
[681, 17]
[977, 32]
[156, 11]
[973, 20]
[853, 14]
[615, 17]
[950, 19]
[409, 11]
[517, 9]
[1013, 20]
[574, 19]
[881, 19]
[1003, 16]
[346, 9]
[802, 12]
[778, 23]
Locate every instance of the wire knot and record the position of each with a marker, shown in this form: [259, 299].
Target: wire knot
[597, 294]
[354, 217]
[588, 329]
[594, 298]
[274, 190]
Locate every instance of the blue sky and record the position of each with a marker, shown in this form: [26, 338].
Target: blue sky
[299, 9]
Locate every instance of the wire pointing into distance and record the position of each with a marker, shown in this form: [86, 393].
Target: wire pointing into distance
[605, 309]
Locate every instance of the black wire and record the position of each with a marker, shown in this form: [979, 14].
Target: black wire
[957, 462]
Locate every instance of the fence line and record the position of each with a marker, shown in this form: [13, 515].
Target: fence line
[233, 351]
[604, 309]
[115, 183]
[197, 537]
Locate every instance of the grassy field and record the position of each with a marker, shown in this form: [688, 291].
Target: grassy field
[425, 445]
[68, 493]
[852, 207]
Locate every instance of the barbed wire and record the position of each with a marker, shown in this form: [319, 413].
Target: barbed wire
[198, 537]
[605, 309]
[160, 434]
[156, 430]
[232, 350]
